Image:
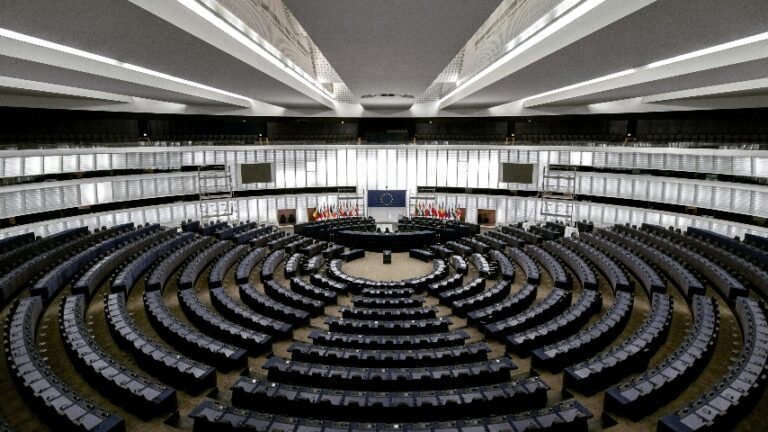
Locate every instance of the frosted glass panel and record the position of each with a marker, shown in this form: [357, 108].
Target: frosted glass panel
[472, 169]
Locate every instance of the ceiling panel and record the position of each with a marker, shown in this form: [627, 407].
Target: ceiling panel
[23, 69]
[120, 30]
[390, 46]
[664, 29]
[734, 73]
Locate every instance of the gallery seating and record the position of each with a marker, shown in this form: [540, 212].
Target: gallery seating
[91, 280]
[162, 272]
[557, 328]
[615, 276]
[246, 317]
[720, 279]
[552, 305]
[176, 369]
[484, 372]
[553, 267]
[736, 392]
[270, 264]
[505, 268]
[193, 342]
[578, 347]
[578, 266]
[56, 403]
[307, 289]
[519, 232]
[471, 288]
[449, 283]
[135, 392]
[26, 260]
[244, 237]
[525, 262]
[198, 263]
[291, 298]
[629, 356]
[223, 264]
[129, 275]
[685, 281]
[352, 353]
[564, 416]
[388, 327]
[269, 307]
[220, 328]
[419, 341]
[648, 277]
[321, 281]
[512, 305]
[248, 263]
[301, 351]
[490, 296]
[421, 254]
[100, 242]
[386, 303]
[459, 264]
[356, 405]
[397, 314]
[654, 387]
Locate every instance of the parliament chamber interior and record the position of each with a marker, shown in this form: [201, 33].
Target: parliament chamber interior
[383, 215]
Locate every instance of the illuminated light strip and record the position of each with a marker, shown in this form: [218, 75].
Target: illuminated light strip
[720, 61]
[547, 19]
[239, 31]
[20, 37]
[541, 34]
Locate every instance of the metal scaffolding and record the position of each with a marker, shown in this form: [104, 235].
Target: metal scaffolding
[558, 195]
[216, 192]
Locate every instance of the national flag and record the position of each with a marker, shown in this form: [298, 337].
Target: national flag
[357, 209]
[434, 211]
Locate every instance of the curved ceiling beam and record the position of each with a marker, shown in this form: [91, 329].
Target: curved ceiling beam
[25, 47]
[711, 91]
[60, 90]
[574, 24]
[739, 51]
[198, 20]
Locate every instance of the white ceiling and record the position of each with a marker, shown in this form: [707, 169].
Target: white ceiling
[189, 64]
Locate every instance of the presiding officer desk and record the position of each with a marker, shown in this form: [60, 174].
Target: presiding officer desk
[377, 242]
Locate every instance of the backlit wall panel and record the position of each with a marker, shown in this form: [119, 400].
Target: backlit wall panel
[15, 163]
[372, 168]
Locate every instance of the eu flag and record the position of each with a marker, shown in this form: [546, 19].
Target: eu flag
[386, 198]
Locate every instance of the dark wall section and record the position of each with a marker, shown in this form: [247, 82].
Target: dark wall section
[719, 122]
[26, 125]
[39, 126]
[312, 129]
[177, 126]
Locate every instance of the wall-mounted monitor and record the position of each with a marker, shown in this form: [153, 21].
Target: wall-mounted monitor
[517, 173]
[256, 172]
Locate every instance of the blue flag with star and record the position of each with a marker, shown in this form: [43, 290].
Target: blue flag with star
[386, 198]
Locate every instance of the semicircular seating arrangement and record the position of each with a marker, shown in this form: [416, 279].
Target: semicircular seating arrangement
[225, 326]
